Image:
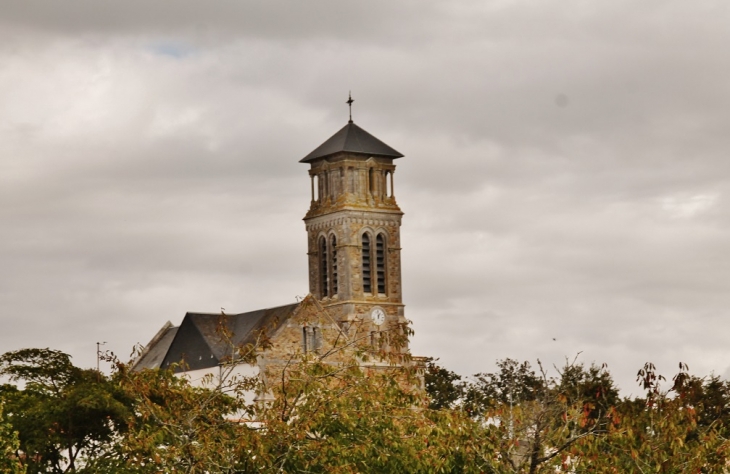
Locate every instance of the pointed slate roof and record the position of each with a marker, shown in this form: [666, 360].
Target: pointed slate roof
[200, 343]
[352, 139]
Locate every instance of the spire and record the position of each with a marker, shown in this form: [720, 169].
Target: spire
[349, 102]
[352, 139]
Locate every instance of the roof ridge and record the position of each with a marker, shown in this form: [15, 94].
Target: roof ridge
[243, 312]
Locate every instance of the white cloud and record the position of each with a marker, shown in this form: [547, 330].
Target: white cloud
[688, 206]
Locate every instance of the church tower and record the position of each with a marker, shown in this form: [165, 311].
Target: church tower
[353, 233]
[353, 230]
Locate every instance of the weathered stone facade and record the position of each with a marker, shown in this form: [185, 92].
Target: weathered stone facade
[352, 196]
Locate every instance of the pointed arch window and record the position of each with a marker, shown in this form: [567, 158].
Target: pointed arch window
[380, 262]
[366, 277]
[323, 280]
[333, 263]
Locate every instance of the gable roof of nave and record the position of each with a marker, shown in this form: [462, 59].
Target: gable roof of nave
[203, 340]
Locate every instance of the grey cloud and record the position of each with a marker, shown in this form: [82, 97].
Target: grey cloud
[148, 160]
[275, 20]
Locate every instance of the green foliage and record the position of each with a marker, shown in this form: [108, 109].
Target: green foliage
[539, 419]
[178, 427]
[322, 416]
[9, 445]
[679, 430]
[514, 383]
[328, 418]
[64, 415]
[443, 386]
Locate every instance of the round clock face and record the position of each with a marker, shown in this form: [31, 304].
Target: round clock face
[378, 316]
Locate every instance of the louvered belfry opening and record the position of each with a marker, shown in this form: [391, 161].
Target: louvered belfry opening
[366, 280]
[380, 261]
[323, 280]
[333, 249]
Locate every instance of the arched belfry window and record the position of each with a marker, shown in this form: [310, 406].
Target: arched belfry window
[380, 262]
[367, 286]
[323, 280]
[333, 262]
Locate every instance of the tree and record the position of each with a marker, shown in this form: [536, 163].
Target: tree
[666, 431]
[443, 386]
[65, 416]
[358, 412]
[180, 428]
[537, 419]
[343, 418]
[515, 383]
[9, 444]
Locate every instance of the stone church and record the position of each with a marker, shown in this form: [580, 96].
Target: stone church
[353, 235]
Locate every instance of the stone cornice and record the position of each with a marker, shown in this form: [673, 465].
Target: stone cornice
[373, 302]
[370, 218]
[348, 202]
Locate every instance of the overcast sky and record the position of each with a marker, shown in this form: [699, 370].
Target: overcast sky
[565, 182]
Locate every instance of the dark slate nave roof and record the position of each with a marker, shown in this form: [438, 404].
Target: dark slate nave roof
[352, 139]
[199, 342]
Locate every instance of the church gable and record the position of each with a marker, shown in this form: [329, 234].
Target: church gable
[314, 331]
[310, 329]
[256, 327]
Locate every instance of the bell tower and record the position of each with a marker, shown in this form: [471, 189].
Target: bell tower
[353, 229]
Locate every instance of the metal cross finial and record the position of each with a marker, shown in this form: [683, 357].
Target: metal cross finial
[349, 102]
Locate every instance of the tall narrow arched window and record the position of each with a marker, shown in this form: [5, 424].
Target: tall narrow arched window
[333, 273]
[311, 339]
[342, 184]
[323, 280]
[366, 279]
[380, 262]
[332, 184]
